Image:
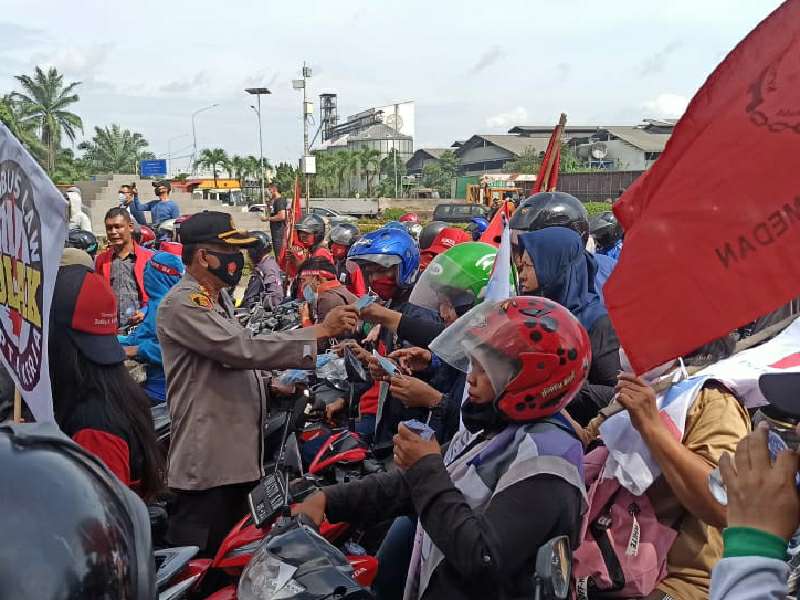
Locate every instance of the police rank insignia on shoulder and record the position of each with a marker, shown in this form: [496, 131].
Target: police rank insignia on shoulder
[201, 300]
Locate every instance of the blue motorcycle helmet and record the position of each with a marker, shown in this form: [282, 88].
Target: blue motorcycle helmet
[395, 225]
[477, 226]
[388, 247]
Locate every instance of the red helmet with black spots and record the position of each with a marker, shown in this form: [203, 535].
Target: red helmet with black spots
[535, 352]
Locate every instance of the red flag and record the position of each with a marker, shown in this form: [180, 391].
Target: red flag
[494, 232]
[294, 215]
[712, 230]
[547, 179]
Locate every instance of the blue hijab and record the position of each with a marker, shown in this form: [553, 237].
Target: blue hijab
[566, 271]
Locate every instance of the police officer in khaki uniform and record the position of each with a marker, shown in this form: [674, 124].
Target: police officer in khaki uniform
[214, 390]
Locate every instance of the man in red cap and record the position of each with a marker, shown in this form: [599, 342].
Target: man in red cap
[444, 240]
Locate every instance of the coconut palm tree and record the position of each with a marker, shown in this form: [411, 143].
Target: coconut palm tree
[115, 150]
[19, 122]
[371, 162]
[342, 165]
[46, 99]
[213, 159]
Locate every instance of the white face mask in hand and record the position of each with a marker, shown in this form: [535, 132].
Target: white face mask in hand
[649, 377]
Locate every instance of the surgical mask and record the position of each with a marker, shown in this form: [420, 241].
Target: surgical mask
[309, 294]
[230, 267]
[338, 251]
[306, 241]
[385, 287]
[648, 377]
[122, 197]
[477, 417]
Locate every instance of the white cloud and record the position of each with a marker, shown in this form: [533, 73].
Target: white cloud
[76, 62]
[666, 106]
[516, 116]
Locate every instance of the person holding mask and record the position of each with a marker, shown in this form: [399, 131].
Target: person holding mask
[162, 208]
[95, 400]
[122, 265]
[321, 289]
[490, 502]
[553, 262]
[277, 219]
[128, 196]
[216, 396]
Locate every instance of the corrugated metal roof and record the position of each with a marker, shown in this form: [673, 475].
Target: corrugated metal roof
[435, 152]
[379, 131]
[513, 143]
[640, 138]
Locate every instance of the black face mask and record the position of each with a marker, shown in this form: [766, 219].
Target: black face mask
[477, 417]
[230, 267]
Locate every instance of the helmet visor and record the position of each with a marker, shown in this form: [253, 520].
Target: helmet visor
[446, 280]
[467, 340]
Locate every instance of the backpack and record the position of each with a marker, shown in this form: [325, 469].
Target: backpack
[623, 549]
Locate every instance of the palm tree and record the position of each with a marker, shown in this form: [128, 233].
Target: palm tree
[213, 158]
[342, 168]
[115, 150]
[14, 116]
[46, 100]
[371, 161]
[326, 171]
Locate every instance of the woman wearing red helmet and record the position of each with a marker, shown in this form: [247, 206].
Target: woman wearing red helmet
[508, 482]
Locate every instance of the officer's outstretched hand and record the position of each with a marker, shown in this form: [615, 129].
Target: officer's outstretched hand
[340, 320]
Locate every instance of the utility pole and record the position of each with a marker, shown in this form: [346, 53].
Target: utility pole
[258, 92]
[303, 84]
[396, 142]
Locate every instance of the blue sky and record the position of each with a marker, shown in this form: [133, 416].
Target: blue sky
[472, 67]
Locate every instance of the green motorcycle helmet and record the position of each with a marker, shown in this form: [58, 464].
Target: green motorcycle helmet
[459, 275]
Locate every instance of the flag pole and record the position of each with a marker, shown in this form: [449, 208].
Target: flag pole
[551, 156]
[17, 405]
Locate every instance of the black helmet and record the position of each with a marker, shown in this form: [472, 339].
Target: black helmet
[551, 209]
[83, 240]
[429, 233]
[262, 245]
[605, 230]
[71, 530]
[345, 234]
[312, 224]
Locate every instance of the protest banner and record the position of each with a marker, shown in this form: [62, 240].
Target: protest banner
[712, 229]
[32, 233]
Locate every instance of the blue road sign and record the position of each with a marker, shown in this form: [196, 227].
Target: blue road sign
[152, 168]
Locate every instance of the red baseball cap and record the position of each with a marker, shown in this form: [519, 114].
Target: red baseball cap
[85, 309]
[447, 238]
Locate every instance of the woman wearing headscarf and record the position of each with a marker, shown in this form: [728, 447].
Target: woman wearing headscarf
[553, 263]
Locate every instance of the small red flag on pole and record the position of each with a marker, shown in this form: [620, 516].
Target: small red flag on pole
[494, 231]
[712, 230]
[292, 217]
[547, 179]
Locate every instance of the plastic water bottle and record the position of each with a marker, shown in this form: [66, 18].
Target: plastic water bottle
[775, 445]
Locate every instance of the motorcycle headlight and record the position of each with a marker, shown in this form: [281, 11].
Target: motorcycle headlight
[268, 578]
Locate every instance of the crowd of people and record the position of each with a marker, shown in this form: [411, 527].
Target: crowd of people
[536, 424]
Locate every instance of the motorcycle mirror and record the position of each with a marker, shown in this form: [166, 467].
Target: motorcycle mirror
[554, 568]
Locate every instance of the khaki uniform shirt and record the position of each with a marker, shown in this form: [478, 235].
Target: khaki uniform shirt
[215, 395]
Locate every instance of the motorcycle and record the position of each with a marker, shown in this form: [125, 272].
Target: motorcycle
[297, 562]
[553, 570]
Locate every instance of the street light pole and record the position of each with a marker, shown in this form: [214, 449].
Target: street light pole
[194, 133]
[169, 150]
[258, 92]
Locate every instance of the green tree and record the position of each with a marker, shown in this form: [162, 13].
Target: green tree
[387, 184]
[214, 159]
[325, 178]
[439, 175]
[528, 162]
[45, 99]
[69, 168]
[13, 115]
[114, 150]
[285, 175]
[371, 163]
